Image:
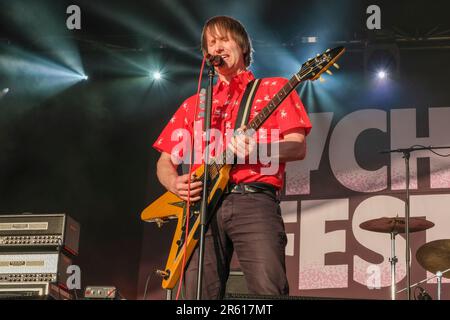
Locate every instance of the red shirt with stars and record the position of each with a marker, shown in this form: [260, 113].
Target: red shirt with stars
[290, 115]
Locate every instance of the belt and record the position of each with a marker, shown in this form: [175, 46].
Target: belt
[254, 187]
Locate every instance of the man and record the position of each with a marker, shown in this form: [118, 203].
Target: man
[248, 220]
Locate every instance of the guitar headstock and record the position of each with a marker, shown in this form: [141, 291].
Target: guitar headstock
[313, 68]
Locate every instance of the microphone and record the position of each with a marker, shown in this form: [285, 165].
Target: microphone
[216, 61]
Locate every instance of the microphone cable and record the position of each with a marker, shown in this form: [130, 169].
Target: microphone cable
[191, 160]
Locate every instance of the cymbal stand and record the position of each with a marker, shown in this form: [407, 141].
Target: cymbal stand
[439, 284]
[438, 275]
[393, 260]
[406, 155]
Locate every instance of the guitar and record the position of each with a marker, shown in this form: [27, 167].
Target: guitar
[169, 206]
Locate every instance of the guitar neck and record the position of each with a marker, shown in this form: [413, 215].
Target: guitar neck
[277, 99]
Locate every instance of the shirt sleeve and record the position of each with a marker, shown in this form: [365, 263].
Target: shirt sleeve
[291, 113]
[175, 139]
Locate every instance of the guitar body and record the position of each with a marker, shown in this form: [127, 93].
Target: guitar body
[170, 206]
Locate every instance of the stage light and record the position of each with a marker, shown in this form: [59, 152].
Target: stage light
[309, 39]
[85, 77]
[156, 75]
[4, 92]
[382, 61]
[381, 74]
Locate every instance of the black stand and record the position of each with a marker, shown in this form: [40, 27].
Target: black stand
[205, 195]
[406, 155]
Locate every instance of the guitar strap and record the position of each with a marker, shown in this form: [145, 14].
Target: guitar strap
[246, 103]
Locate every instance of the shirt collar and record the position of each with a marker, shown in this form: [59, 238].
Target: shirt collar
[238, 81]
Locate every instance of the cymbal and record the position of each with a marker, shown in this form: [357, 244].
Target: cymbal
[434, 256]
[396, 225]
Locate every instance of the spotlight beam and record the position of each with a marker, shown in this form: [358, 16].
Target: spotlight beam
[41, 25]
[183, 15]
[35, 74]
[144, 27]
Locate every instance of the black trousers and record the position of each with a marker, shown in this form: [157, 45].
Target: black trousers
[250, 224]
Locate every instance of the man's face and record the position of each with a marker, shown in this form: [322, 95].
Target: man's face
[224, 45]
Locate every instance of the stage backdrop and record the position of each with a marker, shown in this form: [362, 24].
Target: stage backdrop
[345, 180]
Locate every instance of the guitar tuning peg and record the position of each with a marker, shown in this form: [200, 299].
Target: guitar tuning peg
[336, 65]
[329, 72]
[321, 79]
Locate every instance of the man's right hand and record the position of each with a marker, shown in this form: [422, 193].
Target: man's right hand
[180, 188]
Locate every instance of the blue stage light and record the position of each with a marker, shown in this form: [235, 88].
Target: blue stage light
[381, 74]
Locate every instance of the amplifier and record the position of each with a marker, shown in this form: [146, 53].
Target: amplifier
[39, 232]
[96, 292]
[35, 290]
[34, 267]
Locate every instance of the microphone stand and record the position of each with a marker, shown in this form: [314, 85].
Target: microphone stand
[406, 155]
[205, 191]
